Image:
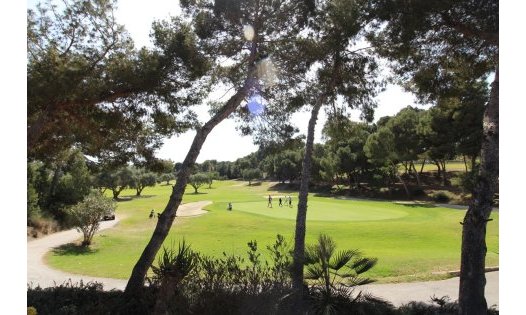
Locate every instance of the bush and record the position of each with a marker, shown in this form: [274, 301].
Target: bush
[467, 181]
[418, 192]
[442, 196]
[42, 226]
[31, 310]
[439, 306]
[72, 298]
[86, 215]
[227, 285]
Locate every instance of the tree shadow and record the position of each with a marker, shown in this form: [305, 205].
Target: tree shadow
[198, 193]
[416, 204]
[255, 184]
[283, 187]
[132, 197]
[72, 249]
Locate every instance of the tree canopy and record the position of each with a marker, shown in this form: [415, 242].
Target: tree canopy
[89, 87]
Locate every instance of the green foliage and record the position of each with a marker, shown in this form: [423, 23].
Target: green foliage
[116, 180]
[166, 177]
[251, 174]
[442, 196]
[379, 147]
[441, 306]
[211, 176]
[468, 180]
[52, 186]
[141, 179]
[33, 209]
[287, 165]
[174, 266]
[89, 298]
[436, 45]
[86, 215]
[335, 274]
[408, 143]
[88, 86]
[198, 180]
[344, 154]
[327, 266]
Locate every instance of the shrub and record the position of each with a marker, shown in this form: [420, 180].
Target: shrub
[418, 192]
[72, 298]
[31, 310]
[173, 268]
[86, 215]
[467, 181]
[440, 306]
[442, 196]
[228, 285]
[335, 275]
[42, 226]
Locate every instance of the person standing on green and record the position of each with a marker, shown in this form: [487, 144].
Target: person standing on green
[269, 205]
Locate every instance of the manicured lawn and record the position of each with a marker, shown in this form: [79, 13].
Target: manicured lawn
[412, 242]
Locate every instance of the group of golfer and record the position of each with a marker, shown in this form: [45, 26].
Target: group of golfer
[282, 201]
[287, 200]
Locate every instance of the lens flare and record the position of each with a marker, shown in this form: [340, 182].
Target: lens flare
[267, 72]
[256, 105]
[248, 32]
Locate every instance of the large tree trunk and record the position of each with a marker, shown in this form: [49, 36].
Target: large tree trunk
[472, 265]
[301, 217]
[136, 282]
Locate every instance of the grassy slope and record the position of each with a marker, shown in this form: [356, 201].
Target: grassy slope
[411, 242]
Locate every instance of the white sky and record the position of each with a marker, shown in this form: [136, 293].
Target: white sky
[224, 142]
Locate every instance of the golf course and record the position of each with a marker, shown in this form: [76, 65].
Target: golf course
[412, 241]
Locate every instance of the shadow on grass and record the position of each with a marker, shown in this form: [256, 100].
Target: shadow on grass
[416, 204]
[283, 187]
[72, 249]
[132, 197]
[255, 184]
[198, 193]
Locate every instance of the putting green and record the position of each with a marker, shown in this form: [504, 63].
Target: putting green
[333, 210]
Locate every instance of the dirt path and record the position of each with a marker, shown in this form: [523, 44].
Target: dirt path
[38, 273]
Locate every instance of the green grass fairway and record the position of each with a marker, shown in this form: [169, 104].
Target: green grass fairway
[412, 242]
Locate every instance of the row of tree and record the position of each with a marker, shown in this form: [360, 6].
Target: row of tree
[355, 153]
[54, 187]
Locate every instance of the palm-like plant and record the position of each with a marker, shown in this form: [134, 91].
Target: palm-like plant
[335, 273]
[173, 267]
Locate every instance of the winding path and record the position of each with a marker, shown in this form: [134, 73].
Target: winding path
[38, 273]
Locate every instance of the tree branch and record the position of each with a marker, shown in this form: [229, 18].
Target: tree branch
[490, 37]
